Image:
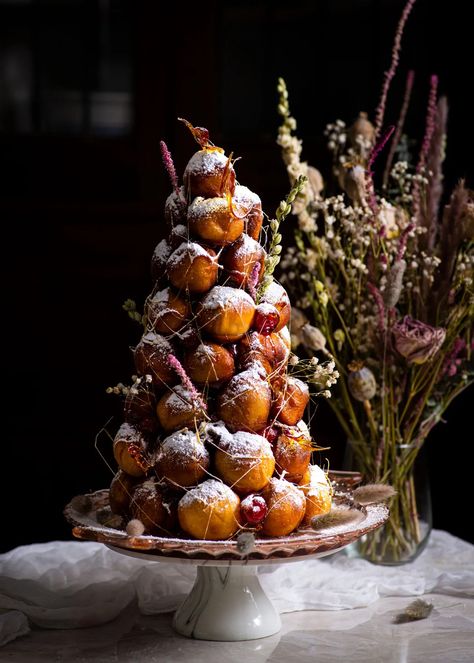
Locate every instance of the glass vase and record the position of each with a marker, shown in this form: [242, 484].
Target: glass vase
[407, 531]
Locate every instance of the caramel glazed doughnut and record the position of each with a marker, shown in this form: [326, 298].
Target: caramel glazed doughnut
[213, 440]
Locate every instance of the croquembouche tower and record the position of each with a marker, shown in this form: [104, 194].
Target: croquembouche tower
[213, 441]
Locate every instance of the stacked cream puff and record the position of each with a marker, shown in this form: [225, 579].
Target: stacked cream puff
[213, 439]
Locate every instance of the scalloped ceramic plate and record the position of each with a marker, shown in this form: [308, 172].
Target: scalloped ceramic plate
[301, 543]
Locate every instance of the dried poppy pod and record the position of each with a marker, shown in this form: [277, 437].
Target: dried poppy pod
[175, 207]
[151, 358]
[140, 407]
[286, 507]
[210, 511]
[240, 260]
[192, 267]
[209, 363]
[178, 408]
[182, 459]
[317, 488]
[215, 220]
[159, 259]
[276, 295]
[249, 200]
[121, 492]
[209, 173]
[226, 313]
[245, 402]
[130, 450]
[153, 506]
[166, 311]
[291, 399]
[270, 351]
[244, 461]
[293, 453]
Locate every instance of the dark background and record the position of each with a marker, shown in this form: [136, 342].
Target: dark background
[87, 90]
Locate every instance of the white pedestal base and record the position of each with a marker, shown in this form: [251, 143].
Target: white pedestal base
[227, 604]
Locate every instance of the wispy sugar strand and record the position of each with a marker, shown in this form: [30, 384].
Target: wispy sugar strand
[400, 125]
[169, 165]
[390, 73]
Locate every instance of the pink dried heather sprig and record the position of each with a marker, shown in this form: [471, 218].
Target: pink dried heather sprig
[253, 280]
[390, 73]
[452, 361]
[177, 366]
[376, 150]
[169, 165]
[400, 125]
[402, 244]
[430, 127]
[377, 295]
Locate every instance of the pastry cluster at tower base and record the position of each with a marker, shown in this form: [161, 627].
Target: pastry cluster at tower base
[213, 441]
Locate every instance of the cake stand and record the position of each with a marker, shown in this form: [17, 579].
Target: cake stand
[227, 602]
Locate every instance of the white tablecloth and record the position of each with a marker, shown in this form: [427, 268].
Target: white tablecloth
[64, 585]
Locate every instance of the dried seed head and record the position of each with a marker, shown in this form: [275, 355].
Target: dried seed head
[372, 493]
[135, 527]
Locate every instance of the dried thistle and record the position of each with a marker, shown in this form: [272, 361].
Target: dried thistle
[135, 527]
[373, 493]
[245, 542]
[337, 517]
[414, 611]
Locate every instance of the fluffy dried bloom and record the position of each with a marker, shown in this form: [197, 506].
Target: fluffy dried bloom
[417, 341]
[312, 338]
[373, 493]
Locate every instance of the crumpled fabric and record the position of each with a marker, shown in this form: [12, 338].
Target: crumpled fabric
[67, 584]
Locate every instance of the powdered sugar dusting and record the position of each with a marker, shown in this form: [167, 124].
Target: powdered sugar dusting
[244, 446]
[159, 343]
[275, 293]
[207, 207]
[206, 163]
[244, 195]
[184, 444]
[207, 493]
[222, 296]
[181, 400]
[191, 250]
[284, 490]
[245, 381]
[162, 251]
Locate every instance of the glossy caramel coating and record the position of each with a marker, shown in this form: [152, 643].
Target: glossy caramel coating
[130, 450]
[317, 488]
[240, 261]
[166, 311]
[276, 295]
[249, 201]
[151, 358]
[244, 461]
[121, 492]
[214, 220]
[292, 454]
[226, 313]
[209, 173]
[270, 351]
[182, 459]
[245, 402]
[210, 511]
[291, 399]
[209, 363]
[177, 409]
[286, 505]
[154, 508]
[192, 267]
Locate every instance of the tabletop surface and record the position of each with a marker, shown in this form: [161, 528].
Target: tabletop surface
[360, 635]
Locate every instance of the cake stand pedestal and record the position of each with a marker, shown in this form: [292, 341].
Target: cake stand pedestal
[227, 602]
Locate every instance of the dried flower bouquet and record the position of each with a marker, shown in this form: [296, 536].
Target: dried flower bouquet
[382, 273]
